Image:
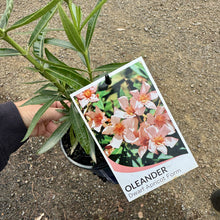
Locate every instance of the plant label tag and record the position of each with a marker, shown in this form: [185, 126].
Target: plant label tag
[134, 129]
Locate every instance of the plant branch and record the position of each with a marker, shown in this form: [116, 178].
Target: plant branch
[86, 56]
[36, 64]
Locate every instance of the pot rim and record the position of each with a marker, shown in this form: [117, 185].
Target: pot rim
[73, 161]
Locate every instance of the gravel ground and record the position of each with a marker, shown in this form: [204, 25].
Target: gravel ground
[179, 41]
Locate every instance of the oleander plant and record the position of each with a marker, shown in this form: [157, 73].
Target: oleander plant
[60, 79]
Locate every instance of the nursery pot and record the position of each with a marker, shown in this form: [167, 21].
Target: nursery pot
[81, 159]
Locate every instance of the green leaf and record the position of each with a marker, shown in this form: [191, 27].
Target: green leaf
[150, 155]
[5, 52]
[75, 14]
[6, 14]
[52, 58]
[60, 64]
[59, 43]
[92, 147]
[37, 100]
[91, 27]
[69, 76]
[35, 82]
[80, 129]
[109, 67]
[71, 31]
[48, 85]
[97, 8]
[48, 92]
[117, 151]
[32, 17]
[99, 104]
[41, 25]
[38, 46]
[55, 137]
[164, 157]
[38, 115]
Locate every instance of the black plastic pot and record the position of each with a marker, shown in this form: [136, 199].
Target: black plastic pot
[82, 160]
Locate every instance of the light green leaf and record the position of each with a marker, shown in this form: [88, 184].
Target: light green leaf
[164, 157]
[71, 31]
[32, 17]
[38, 45]
[6, 14]
[5, 52]
[41, 25]
[80, 129]
[73, 10]
[91, 27]
[59, 43]
[109, 67]
[38, 115]
[55, 137]
[92, 147]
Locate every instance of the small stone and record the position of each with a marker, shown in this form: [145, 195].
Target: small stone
[140, 215]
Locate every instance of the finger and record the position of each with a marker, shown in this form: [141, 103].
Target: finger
[51, 114]
[58, 104]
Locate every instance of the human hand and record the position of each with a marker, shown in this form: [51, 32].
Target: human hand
[47, 123]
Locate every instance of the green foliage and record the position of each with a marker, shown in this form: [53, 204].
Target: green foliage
[6, 14]
[71, 31]
[4, 52]
[61, 79]
[34, 16]
[41, 25]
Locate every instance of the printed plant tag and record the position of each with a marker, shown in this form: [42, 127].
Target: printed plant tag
[134, 129]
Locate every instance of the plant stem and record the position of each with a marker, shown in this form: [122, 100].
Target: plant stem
[86, 56]
[36, 64]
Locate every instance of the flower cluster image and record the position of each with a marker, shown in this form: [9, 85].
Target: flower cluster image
[129, 119]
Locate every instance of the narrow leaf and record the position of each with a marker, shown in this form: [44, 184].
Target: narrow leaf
[63, 65]
[70, 77]
[37, 100]
[39, 45]
[41, 25]
[35, 82]
[60, 43]
[72, 73]
[71, 31]
[55, 137]
[52, 58]
[5, 52]
[38, 116]
[91, 27]
[109, 67]
[98, 7]
[48, 85]
[32, 17]
[80, 129]
[6, 14]
[92, 147]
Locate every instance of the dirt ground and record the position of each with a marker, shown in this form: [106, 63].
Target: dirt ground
[179, 41]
